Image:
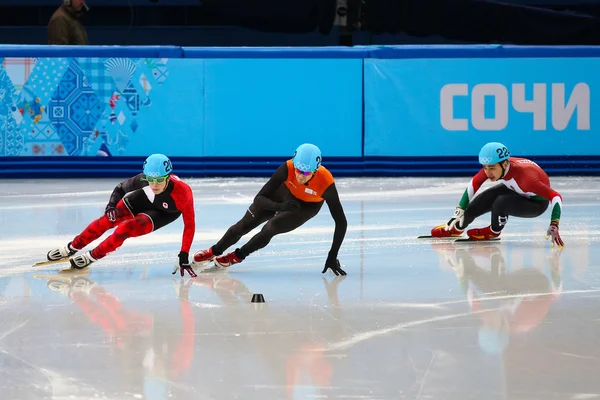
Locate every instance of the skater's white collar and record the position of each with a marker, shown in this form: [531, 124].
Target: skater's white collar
[506, 170]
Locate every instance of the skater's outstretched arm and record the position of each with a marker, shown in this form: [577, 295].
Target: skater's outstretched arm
[541, 189]
[184, 200]
[332, 198]
[262, 199]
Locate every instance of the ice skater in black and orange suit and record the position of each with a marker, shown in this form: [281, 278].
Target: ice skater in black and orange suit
[293, 195]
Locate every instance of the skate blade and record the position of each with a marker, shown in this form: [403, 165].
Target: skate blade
[438, 238]
[64, 275]
[200, 264]
[457, 239]
[213, 268]
[475, 241]
[57, 277]
[47, 262]
[74, 271]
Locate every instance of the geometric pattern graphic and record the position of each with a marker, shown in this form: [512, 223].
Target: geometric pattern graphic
[19, 70]
[97, 77]
[74, 106]
[74, 109]
[11, 141]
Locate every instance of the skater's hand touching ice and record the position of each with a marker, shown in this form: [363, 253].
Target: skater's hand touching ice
[184, 265]
[334, 264]
[553, 233]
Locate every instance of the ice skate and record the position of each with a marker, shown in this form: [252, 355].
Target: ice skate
[61, 253]
[482, 233]
[227, 260]
[82, 261]
[203, 257]
[441, 232]
[221, 263]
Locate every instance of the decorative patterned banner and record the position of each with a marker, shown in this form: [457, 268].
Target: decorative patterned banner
[74, 106]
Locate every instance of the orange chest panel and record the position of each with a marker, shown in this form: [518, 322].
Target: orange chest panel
[313, 191]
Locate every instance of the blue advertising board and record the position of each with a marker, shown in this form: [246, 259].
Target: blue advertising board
[373, 110]
[445, 107]
[127, 106]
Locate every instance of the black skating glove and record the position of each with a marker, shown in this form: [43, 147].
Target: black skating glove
[111, 213]
[290, 205]
[184, 265]
[334, 264]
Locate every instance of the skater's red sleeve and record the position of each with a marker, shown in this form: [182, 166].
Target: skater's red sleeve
[184, 201]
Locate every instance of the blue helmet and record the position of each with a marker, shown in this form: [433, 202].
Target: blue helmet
[157, 165]
[307, 157]
[493, 153]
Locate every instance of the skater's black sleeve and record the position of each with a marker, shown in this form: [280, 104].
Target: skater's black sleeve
[332, 198]
[125, 187]
[278, 178]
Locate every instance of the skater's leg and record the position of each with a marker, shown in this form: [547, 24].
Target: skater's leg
[97, 227]
[92, 232]
[517, 206]
[254, 217]
[140, 225]
[483, 203]
[281, 223]
[510, 203]
[479, 205]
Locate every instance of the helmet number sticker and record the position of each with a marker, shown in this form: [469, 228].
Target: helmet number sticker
[502, 152]
[168, 167]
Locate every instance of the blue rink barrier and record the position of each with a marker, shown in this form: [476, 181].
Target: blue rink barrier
[118, 167]
[98, 111]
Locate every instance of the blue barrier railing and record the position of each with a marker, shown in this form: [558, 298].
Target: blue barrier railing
[97, 111]
[118, 167]
[356, 52]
